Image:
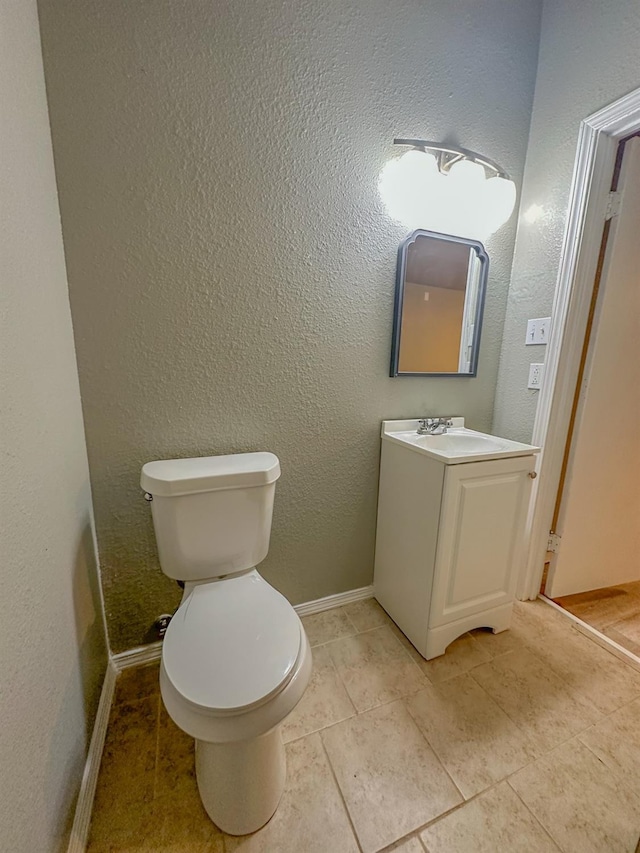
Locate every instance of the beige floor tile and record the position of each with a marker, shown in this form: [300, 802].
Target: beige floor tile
[617, 653]
[498, 644]
[536, 699]
[472, 736]
[542, 610]
[118, 827]
[616, 742]
[175, 762]
[328, 625]
[375, 668]
[544, 678]
[129, 755]
[495, 822]
[588, 669]
[406, 643]
[366, 614]
[324, 703]
[462, 655]
[583, 805]
[390, 778]
[311, 816]
[569, 651]
[137, 683]
[185, 826]
[535, 622]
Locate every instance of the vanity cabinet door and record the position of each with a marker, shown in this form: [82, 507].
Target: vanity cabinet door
[481, 537]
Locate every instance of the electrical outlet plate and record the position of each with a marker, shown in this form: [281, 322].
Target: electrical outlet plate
[538, 331]
[536, 374]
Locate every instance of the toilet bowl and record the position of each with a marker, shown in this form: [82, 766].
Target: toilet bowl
[235, 657]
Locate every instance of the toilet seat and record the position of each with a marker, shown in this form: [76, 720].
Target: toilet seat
[232, 645]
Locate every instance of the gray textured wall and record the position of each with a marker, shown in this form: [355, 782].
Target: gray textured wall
[231, 267]
[52, 644]
[588, 58]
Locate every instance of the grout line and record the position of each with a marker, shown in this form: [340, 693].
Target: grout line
[336, 722]
[403, 699]
[351, 622]
[453, 809]
[334, 640]
[348, 695]
[428, 743]
[546, 751]
[391, 848]
[615, 771]
[339, 789]
[420, 828]
[535, 816]
[346, 688]
[475, 797]
[573, 692]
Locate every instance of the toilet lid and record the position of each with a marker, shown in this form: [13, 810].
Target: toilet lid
[231, 644]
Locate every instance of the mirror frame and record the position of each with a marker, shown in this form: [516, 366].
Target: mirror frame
[483, 257]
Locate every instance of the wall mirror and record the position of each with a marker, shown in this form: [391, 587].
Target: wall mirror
[440, 290]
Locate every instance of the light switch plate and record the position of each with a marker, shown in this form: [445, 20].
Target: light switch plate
[536, 375]
[538, 331]
[543, 328]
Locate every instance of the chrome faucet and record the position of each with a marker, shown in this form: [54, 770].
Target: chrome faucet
[433, 426]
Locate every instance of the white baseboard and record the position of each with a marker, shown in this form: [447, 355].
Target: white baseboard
[137, 656]
[331, 601]
[82, 818]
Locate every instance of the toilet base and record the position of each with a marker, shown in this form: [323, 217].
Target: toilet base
[241, 782]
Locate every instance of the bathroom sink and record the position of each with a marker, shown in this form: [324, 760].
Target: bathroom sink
[461, 441]
[457, 445]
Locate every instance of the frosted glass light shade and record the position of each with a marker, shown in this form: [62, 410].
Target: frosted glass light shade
[499, 201]
[462, 202]
[410, 186]
[467, 172]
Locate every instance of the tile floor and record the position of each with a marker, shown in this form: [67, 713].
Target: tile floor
[523, 742]
[613, 610]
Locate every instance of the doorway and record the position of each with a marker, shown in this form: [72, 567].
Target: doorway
[594, 567]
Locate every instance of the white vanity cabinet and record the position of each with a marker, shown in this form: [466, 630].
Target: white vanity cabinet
[450, 535]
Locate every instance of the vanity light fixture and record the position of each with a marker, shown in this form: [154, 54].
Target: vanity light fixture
[446, 189]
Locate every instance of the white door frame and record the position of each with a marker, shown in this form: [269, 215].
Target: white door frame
[598, 140]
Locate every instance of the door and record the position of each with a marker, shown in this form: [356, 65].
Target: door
[599, 518]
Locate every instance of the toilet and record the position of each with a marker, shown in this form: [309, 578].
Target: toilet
[235, 657]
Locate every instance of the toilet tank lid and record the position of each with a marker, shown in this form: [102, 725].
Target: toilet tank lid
[171, 477]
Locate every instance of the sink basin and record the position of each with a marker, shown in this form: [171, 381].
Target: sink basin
[462, 441]
[457, 445]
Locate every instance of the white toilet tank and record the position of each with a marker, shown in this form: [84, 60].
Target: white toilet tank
[212, 515]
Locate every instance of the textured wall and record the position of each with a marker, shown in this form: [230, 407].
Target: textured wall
[588, 58]
[231, 267]
[52, 647]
